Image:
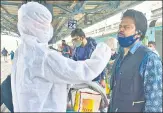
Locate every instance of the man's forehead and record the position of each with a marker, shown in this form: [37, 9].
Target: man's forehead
[74, 37]
[150, 44]
[127, 21]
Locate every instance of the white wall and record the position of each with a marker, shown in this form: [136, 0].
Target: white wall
[9, 42]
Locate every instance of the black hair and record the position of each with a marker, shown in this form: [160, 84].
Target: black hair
[140, 21]
[77, 32]
[152, 42]
[63, 40]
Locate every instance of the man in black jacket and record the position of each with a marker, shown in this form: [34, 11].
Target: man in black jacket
[6, 95]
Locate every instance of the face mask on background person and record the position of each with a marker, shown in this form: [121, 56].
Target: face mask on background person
[77, 43]
[151, 48]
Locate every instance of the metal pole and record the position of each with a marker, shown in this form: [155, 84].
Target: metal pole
[17, 43]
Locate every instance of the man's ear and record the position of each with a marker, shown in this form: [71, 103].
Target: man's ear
[138, 34]
[81, 38]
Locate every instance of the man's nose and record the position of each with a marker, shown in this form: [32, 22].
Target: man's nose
[121, 29]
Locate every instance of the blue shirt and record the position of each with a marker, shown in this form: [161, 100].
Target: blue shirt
[151, 72]
[83, 53]
[65, 49]
[12, 55]
[4, 52]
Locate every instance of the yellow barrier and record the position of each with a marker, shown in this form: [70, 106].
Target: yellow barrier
[107, 89]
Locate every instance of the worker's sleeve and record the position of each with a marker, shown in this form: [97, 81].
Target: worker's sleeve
[59, 69]
[13, 81]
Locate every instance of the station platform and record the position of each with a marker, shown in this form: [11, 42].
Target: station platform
[5, 68]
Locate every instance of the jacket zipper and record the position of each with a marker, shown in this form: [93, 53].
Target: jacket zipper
[137, 102]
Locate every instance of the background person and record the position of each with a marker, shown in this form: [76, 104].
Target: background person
[11, 55]
[83, 50]
[152, 46]
[4, 53]
[65, 49]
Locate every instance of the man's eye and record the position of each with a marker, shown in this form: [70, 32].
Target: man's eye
[126, 27]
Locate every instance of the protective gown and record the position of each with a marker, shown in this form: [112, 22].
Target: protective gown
[40, 76]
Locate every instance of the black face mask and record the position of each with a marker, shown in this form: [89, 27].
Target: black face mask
[63, 44]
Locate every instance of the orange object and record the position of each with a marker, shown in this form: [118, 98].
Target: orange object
[86, 100]
[88, 105]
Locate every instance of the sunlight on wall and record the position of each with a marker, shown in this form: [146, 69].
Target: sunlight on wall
[9, 42]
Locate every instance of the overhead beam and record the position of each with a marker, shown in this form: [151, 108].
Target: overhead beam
[7, 12]
[79, 21]
[71, 7]
[97, 2]
[8, 20]
[78, 7]
[15, 16]
[10, 3]
[16, 4]
[9, 24]
[7, 29]
[108, 6]
[12, 15]
[84, 4]
[5, 9]
[64, 9]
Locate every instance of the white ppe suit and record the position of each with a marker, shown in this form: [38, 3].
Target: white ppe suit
[40, 76]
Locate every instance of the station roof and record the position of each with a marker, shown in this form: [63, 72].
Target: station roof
[85, 13]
